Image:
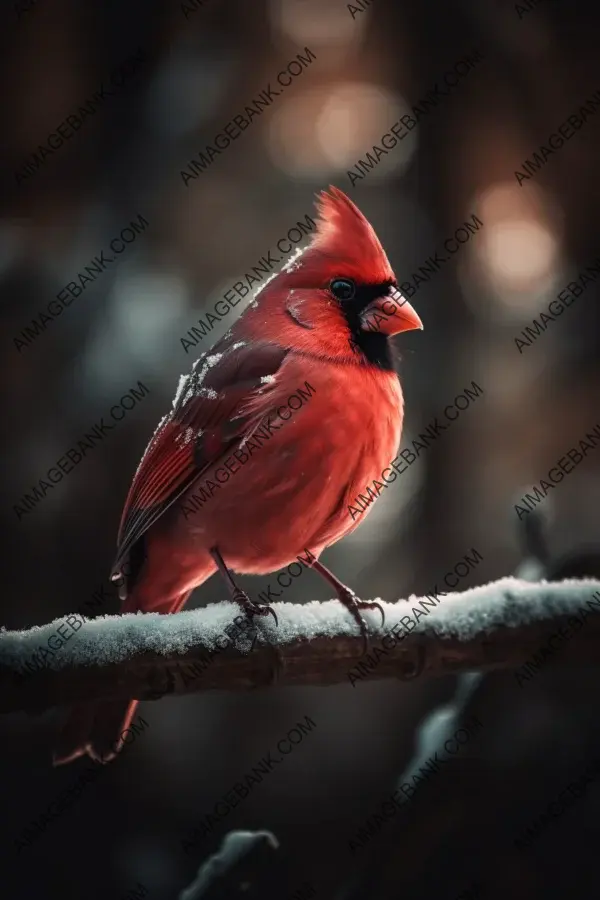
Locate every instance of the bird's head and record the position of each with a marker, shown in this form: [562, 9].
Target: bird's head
[339, 299]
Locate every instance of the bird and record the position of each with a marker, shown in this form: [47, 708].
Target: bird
[318, 330]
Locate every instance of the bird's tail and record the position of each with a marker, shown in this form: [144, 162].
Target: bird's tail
[97, 729]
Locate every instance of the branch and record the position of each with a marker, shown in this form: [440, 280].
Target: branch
[496, 626]
[234, 869]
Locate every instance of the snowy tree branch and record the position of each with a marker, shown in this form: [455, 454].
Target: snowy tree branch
[497, 626]
[235, 868]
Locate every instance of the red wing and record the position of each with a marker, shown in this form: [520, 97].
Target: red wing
[206, 420]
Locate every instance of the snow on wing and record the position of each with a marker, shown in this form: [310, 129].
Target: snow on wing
[206, 420]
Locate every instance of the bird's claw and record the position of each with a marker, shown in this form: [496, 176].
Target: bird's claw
[251, 608]
[354, 604]
[257, 610]
[269, 611]
[368, 604]
[254, 609]
[365, 637]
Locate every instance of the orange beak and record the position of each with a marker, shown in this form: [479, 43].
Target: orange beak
[390, 315]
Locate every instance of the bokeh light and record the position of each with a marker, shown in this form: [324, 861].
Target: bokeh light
[323, 131]
[516, 259]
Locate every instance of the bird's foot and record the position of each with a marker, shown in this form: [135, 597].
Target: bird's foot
[354, 604]
[251, 609]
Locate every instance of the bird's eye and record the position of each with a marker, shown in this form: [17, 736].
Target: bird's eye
[343, 288]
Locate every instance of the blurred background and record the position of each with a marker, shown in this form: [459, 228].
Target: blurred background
[195, 66]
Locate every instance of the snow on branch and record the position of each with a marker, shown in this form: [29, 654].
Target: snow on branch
[233, 869]
[501, 625]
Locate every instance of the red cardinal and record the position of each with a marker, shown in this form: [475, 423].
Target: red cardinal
[324, 320]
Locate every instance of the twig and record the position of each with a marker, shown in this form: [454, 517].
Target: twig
[496, 626]
[232, 871]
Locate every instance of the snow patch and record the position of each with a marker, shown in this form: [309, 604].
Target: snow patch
[291, 265]
[185, 437]
[261, 288]
[509, 602]
[183, 380]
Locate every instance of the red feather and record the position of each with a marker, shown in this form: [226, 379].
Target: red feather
[207, 418]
